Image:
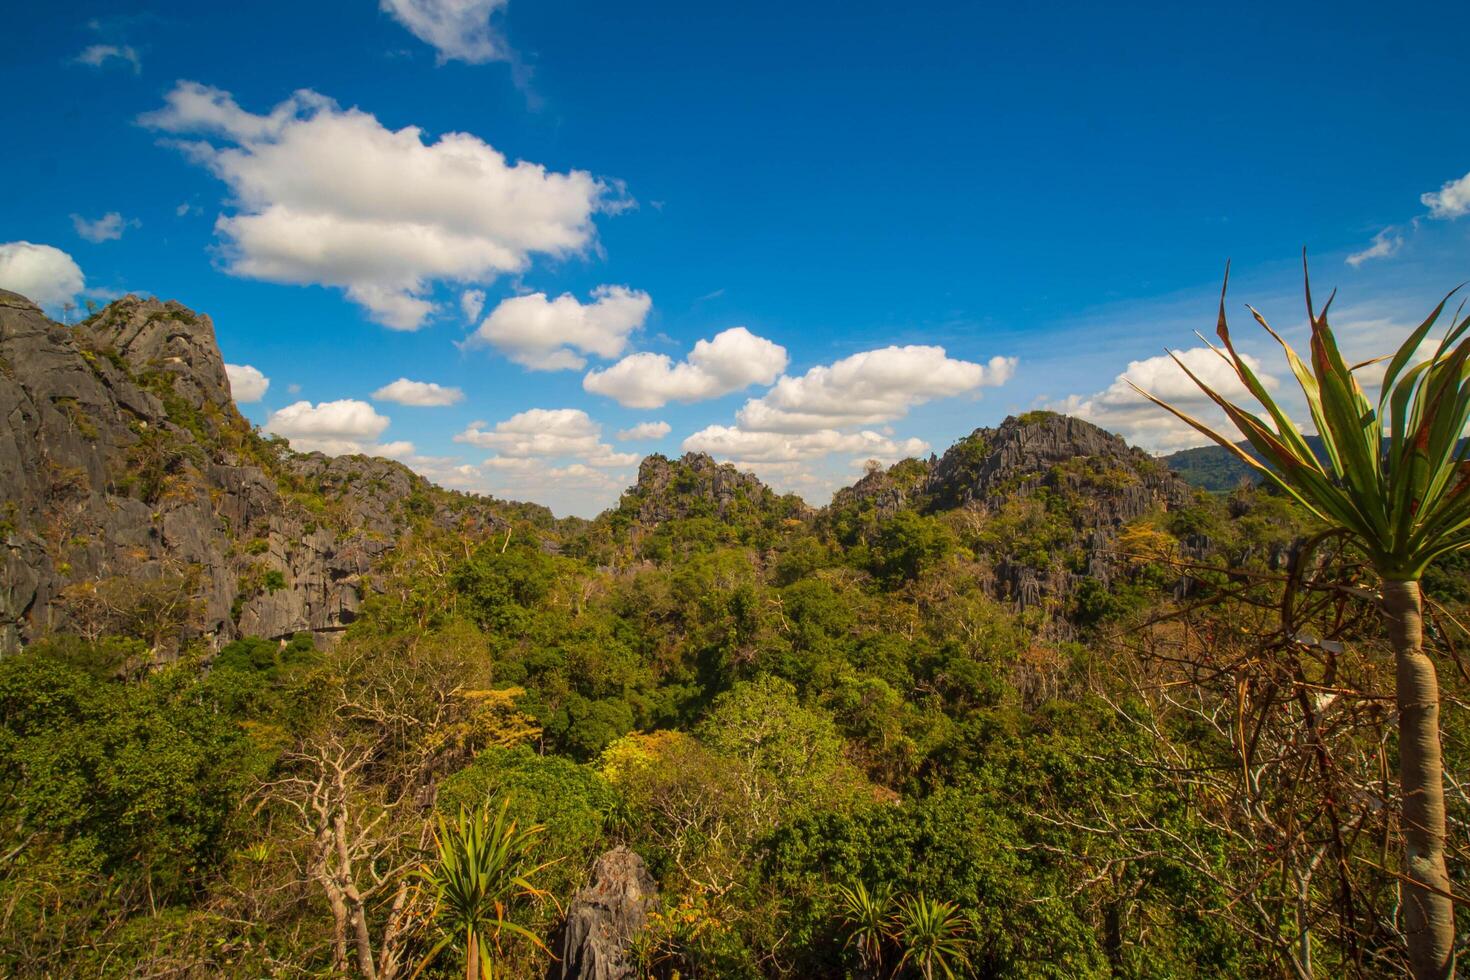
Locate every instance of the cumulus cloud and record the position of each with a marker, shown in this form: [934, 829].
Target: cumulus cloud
[744, 446]
[1450, 201]
[553, 334]
[1385, 243]
[644, 430]
[1120, 409]
[868, 388]
[107, 228]
[459, 30]
[545, 433]
[784, 434]
[101, 55]
[336, 428]
[330, 196]
[800, 478]
[573, 488]
[471, 302]
[43, 274]
[732, 360]
[247, 383]
[422, 394]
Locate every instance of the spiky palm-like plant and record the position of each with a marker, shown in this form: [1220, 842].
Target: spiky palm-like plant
[483, 866]
[865, 917]
[932, 936]
[1395, 476]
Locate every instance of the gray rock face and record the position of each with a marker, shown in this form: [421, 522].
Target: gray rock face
[605, 916]
[1092, 477]
[887, 491]
[123, 461]
[1105, 482]
[696, 486]
[1024, 454]
[153, 336]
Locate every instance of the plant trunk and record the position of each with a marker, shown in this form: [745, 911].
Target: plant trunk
[1429, 916]
[472, 957]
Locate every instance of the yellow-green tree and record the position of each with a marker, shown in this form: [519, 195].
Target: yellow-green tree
[1395, 476]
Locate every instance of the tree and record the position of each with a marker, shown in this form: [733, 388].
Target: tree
[787, 757]
[483, 866]
[907, 545]
[1394, 477]
[356, 790]
[161, 607]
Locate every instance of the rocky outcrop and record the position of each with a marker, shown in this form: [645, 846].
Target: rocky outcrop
[125, 470]
[888, 491]
[1067, 485]
[605, 916]
[166, 337]
[1046, 449]
[1084, 478]
[696, 486]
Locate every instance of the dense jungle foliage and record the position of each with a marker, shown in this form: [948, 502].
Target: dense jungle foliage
[838, 752]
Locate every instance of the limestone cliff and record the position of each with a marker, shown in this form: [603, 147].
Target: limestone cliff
[127, 476]
[1042, 497]
[696, 486]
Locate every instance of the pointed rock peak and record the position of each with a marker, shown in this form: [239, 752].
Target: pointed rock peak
[888, 491]
[1058, 435]
[693, 473]
[155, 336]
[1041, 448]
[695, 485]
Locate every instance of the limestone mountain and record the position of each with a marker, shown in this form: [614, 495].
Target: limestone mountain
[134, 490]
[1042, 498]
[696, 486]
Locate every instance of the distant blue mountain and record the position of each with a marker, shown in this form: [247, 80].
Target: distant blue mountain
[1215, 468]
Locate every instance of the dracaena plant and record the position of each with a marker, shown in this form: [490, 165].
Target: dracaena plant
[933, 937]
[1394, 475]
[865, 918]
[483, 868]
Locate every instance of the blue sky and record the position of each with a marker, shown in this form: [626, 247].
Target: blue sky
[924, 217]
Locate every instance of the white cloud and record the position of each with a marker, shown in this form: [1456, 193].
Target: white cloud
[107, 228]
[401, 449]
[45, 275]
[1450, 201]
[471, 302]
[744, 446]
[99, 55]
[247, 383]
[574, 488]
[545, 433]
[1385, 243]
[644, 430]
[459, 30]
[335, 428]
[1120, 409]
[868, 388]
[732, 360]
[802, 420]
[330, 196]
[553, 334]
[423, 394]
